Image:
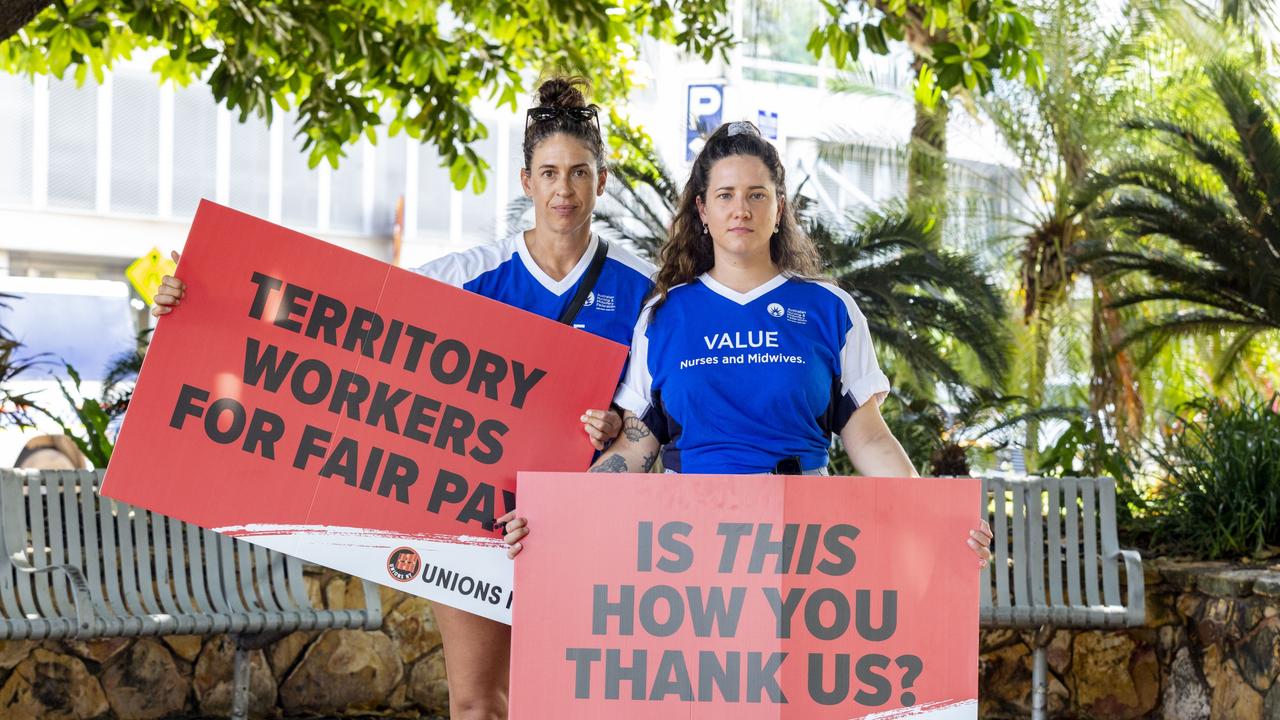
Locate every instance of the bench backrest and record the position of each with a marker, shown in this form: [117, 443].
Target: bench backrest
[145, 573]
[1057, 556]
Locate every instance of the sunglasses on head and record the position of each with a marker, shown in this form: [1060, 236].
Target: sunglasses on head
[577, 114]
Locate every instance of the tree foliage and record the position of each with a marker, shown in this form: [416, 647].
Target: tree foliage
[1201, 250]
[349, 66]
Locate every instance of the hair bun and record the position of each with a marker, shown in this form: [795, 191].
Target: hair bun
[563, 92]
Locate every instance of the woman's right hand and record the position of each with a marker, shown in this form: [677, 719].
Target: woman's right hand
[170, 293]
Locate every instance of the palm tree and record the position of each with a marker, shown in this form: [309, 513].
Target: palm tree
[1060, 131]
[922, 303]
[1201, 247]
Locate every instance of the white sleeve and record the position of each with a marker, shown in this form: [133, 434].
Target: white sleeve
[459, 268]
[860, 376]
[636, 391]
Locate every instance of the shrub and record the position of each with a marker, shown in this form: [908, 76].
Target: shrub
[1221, 468]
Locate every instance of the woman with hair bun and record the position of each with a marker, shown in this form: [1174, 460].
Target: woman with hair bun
[746, 360]
[549, 270]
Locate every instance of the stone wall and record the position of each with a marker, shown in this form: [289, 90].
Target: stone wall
[397, 670]
[1211, 649]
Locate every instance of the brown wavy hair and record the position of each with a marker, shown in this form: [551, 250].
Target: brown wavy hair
[565, 92]
[689, 252]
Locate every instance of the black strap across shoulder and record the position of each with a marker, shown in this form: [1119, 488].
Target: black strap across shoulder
[587, 285]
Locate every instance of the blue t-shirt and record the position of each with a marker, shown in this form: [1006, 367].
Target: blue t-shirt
[506, 272]
[734, 382]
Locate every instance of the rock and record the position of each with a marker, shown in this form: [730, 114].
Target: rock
[283, 653]
[343, 669]
[989, 640]
[335, 594]
[99, 650]
[354, 599]
[391, 598]
[13, 652]
[1113, 677]
[1058, 652]
[1259, 655]
[1271, 708]
[412, 628]
[314, 596]
[48, 685]
[186, 647]
[1190, 605]
[1222, 619]
[1186, 575]
[1185, 694]
[1233, 698]
[1228, 583]
[144, 682]
[429, 685]
[1170, 640]
[1005, 679]
[214, 679]
[1268, 584]
[1162, 609]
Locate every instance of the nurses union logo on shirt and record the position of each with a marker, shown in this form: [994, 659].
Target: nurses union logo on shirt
[777, 310]
[591, 300]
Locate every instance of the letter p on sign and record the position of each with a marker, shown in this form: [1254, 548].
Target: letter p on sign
[706, 112]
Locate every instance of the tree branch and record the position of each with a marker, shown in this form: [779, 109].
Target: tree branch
[15, 14]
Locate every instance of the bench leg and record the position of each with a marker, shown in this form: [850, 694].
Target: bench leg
[240, 683]
[1039, 685]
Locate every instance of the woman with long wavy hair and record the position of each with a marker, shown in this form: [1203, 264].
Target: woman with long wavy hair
[746, 360]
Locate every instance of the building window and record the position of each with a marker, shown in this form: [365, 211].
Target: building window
[16, 107]
[250, 166]
[479, 211]
[388, 182]
[434, 190]
[135, 144]
[73, 144]
[347, 204]
[195, 148]
[300, 194]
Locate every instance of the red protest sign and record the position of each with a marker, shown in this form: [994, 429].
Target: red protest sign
[791, 598]
[351, 413]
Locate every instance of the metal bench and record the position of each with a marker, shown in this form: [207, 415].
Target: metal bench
[1056, 563]
[75, 564]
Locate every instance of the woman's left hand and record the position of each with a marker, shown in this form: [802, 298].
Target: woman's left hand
[980, 543]
[513, 529]
[602, 426]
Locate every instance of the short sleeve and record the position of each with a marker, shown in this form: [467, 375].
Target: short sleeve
[861, 378]
[635, 393]
[459, 268]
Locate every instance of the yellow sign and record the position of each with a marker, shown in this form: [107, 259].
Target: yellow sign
[145, 273]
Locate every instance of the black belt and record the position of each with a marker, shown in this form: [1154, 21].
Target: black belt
[789, 465]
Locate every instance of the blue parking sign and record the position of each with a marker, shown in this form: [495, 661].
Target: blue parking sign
[705, 113]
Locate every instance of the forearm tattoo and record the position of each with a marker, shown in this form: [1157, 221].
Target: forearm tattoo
[611, 464]
[635, 429]
[647, 461]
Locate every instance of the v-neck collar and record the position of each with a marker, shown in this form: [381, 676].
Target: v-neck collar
[729, 293]
[553, 286]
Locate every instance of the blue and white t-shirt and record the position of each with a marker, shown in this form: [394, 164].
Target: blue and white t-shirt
[734, 382]
[506, 272]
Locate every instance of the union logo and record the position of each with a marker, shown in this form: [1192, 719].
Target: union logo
[403, 564]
